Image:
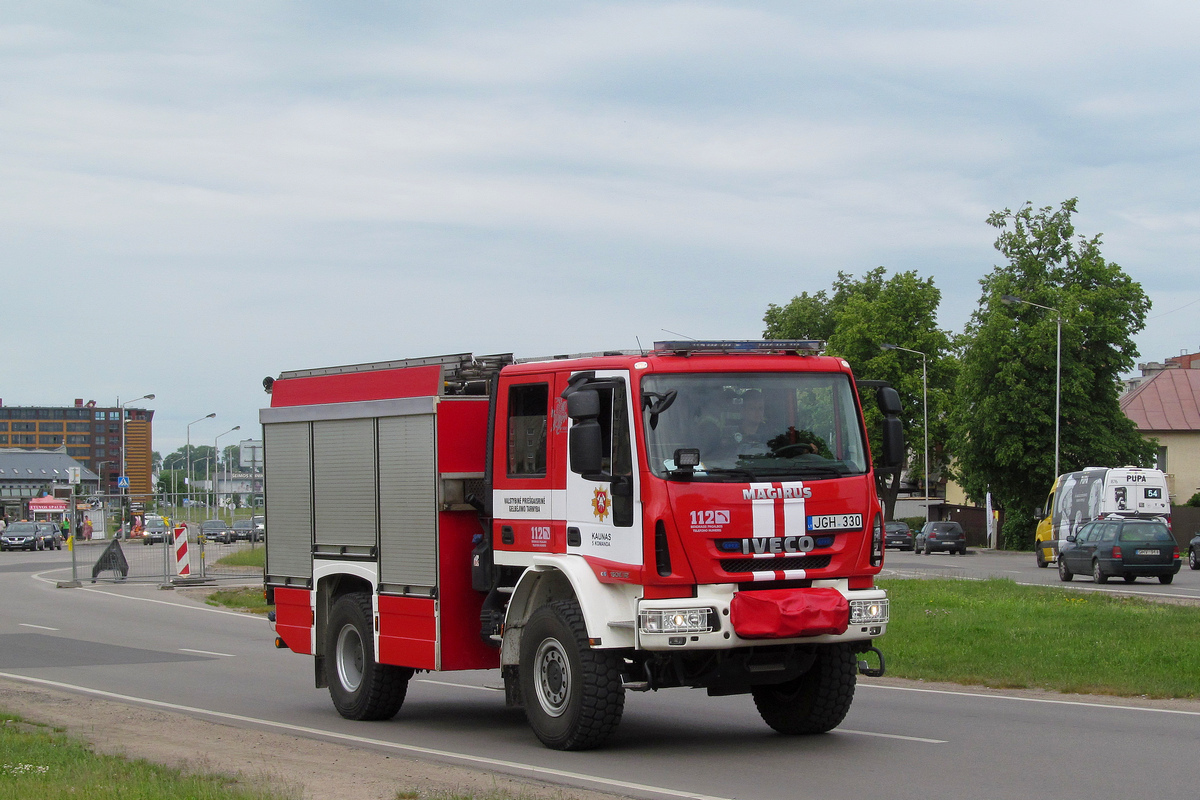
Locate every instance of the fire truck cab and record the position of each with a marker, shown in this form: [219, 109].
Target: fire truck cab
[702, 515]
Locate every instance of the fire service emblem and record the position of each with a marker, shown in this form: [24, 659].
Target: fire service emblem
[600, 504]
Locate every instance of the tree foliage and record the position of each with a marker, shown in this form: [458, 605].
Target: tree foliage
[1003, 418]
[859, 316]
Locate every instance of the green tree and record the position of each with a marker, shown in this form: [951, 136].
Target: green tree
[1003, 417]
[170, 482]
[859, 316]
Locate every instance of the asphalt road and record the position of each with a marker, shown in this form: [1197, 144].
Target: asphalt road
[1021, 567]
[140, 644]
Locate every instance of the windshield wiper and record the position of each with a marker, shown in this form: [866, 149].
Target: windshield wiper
[722, 471]
[804, 470]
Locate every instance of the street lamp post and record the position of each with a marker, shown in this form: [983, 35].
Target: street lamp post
[103, 498]
[125, 489]
[924, 411]
[1009, 300]
[216, 456]
[187, 478]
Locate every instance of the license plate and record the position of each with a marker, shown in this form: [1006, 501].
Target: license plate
[835, 522]
[1148, 552]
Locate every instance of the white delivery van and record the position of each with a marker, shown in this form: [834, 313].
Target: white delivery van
[1095, 493]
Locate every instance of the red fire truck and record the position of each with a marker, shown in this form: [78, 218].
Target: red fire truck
[701, 515]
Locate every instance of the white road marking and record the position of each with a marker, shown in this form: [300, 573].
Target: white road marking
[890, 736]
[483, 761]
[461, 685]
[251, 617]
[205, 652]
[1031, 699]
[39, 627]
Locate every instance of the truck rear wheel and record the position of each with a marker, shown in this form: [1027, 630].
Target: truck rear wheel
[361, 687]
[573, 694]
[815, 702]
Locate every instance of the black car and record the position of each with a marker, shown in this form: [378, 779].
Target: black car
[898, 534]
[243, 530]
[1128, 548]
[935, 536]
[215, 530]
[1194, 552]
[50, 535]
[21, 536]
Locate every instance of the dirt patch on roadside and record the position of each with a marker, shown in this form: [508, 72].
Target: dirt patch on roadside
[291, 765]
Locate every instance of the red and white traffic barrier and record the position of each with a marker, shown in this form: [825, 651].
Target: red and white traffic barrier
[183, 567]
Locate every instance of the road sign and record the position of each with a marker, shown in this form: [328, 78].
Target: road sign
[123, 482]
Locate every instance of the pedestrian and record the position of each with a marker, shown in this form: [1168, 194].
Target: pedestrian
[87, 529]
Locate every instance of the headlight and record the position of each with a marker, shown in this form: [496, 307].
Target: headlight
[864, 612]
[676, 620]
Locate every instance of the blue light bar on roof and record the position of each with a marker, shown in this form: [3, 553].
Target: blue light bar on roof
[810, 346]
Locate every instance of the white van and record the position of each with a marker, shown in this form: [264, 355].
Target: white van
[1094, 493]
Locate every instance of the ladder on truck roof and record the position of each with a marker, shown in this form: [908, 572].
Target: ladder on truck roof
[458, 370]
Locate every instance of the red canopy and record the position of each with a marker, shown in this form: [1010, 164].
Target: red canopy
[47, 504]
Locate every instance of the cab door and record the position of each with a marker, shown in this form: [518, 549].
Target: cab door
[603, 514]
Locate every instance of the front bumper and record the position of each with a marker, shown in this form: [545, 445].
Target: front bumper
[716, 600]
[20, 544]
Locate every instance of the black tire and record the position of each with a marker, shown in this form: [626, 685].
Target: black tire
[815, 702]
[1129, 578]
[361, 687]
[1041, 559]
[1064, 572]
[573, 694]
[1193, 559]
[1165, 578]
[1097, 575]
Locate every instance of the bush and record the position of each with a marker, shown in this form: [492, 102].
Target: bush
[916, 523]
[1194, 501]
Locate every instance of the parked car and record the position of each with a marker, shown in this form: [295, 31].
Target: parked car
[935, 536]
[156, 530]
[243, 530]
[898, 534]
[1194, 552]
[216, 530]
[21, 536]
[50, 535]
[1128, 548]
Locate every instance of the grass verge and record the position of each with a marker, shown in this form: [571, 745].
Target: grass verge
[37, 762]
[996, 633]
[250, 557]
[243, 598]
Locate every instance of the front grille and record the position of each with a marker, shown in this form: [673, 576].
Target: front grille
[773, 564]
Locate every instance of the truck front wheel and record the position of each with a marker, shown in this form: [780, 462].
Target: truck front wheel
[361, 687]
[573, 694]
[815, 702]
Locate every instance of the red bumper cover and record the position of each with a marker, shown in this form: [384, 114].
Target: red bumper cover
[788, 613]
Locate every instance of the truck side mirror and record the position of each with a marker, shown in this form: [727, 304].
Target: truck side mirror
[585, 441]
[893, 442]
[888, 400]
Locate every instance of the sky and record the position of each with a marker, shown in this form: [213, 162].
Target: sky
[196, 196]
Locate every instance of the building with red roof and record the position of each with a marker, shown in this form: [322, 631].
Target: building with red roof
[1165, 405]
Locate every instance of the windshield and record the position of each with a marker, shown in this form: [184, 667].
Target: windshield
[212, 524]
[1145, 532]
[20, 527]
[754, 426]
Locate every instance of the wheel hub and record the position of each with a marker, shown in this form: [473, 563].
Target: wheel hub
[553, 679]
[349, 658]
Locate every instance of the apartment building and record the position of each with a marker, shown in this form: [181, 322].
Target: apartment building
[88, 433]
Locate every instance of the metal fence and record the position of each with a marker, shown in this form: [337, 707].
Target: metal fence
[128, 543]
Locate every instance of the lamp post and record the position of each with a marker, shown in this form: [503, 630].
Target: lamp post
[1010, 300]
[216, 456]
[125, 490]
[103, 498]
[187, 478]
[924, 411]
